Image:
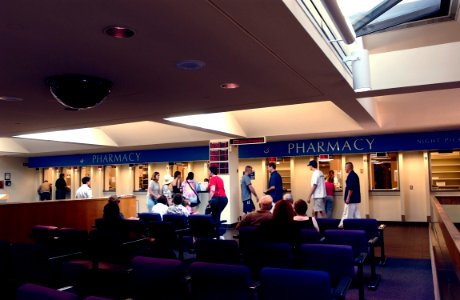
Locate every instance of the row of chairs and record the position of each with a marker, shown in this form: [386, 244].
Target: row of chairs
[153, 278]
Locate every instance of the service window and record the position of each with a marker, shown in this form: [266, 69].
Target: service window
[384, 171]
[331, 168]
[85, 172]
[141, 178]
[110, 178]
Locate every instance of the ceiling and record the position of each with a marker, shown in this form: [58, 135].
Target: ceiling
[291, 84]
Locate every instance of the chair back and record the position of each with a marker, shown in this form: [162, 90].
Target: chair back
[357, 239]
[337, 260]
[211, 281]
[149, 217]
[30, 264]
[279, 284]
[72, 240]
[157, 278]
[43, 234]
[325, 224]
[179, 221]
[248, 235]
[370, 226]
[31, 291]
[268, 254]
[217, 251]
[203, 226]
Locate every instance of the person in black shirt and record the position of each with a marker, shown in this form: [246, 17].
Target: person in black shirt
[61, 187]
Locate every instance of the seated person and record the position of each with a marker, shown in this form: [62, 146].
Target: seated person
[281, 227]
[255, 218]
[112, 210]
[288, 197]
[177, 208]
[161, 207]
[301, 218]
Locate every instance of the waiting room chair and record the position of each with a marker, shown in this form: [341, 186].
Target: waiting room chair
[30, 291]
[326, 224]
[338, 261]
[203, 226]
[217, 251]
[210, 281]
[43, 234]
[281, 284]
[157, 278]
[268, 254]
[149, 217]
[374, 232]
[360, 244]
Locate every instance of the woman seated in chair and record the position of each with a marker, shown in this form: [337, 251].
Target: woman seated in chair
[112, 210]
[281, 227]
[301, 219]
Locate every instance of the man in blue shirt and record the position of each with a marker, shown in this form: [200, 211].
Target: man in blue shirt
[352, 195]
[275, 185]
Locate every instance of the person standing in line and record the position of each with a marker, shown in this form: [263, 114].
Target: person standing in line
[61, 187]
[44, 190]
[153, 191]
[166, 189]
[318, 189]
[275, 183]
[218, 199]
[84, 191]
[247, 190]
[176, 183]
[352, 195]
[329, 200]
[189, 192]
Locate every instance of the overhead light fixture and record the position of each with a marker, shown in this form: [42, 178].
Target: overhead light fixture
[119, 32]
[10, 99]
[341, 23]
[230, 85]
[190, 64]
[360, 69]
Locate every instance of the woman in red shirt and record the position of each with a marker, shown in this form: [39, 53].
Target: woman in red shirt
[218, 199]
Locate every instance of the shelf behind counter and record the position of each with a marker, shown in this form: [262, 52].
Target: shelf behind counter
[17, 219]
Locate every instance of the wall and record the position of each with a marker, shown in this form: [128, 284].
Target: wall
[24, 181]
[410, 204]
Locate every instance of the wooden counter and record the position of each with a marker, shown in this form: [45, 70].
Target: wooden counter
[16, 219]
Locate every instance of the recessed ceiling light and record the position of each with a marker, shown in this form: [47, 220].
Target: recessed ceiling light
[119, 32]
[10, 99]
[230, 85]
[190, 64]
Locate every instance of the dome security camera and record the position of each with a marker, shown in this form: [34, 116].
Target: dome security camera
[79, 92]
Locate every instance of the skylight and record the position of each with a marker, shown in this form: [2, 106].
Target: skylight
[90, 136]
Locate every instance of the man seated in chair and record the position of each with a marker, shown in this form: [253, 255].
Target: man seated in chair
[257, 217]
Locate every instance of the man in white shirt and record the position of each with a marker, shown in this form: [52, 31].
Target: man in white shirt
[84, 191]
[318, 189]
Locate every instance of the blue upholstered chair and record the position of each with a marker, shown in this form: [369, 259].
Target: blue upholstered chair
[149, 217]
[338, 261]
[360, 244]
[281, 284]
[217, 251]
[30, 291]
[157, 278]
[203, 226]
[211, 281]
[268, 254]
[374, 233]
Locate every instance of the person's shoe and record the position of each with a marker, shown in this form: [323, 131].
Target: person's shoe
[340, 226]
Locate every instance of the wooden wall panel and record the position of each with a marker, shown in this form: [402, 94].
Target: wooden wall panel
[17, 219]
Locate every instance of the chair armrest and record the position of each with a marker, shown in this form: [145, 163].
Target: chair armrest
[223, 221]
[342, 287]
[254, 286]
[373, 241]
[137, 241]
[361, 258]
[65, 256]
[182, 231]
